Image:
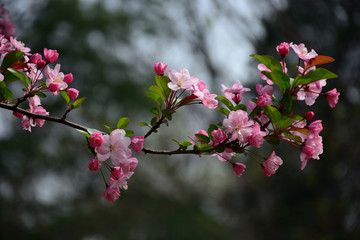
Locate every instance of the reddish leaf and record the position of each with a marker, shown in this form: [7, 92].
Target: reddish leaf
[320, 59]
[19, 65]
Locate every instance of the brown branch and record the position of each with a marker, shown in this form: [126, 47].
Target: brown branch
[173, 152]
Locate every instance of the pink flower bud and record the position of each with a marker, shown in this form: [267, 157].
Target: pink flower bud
[41, 63]
[35, 58]
[332, 97]
[17, 114]
[137, 143]
[309, 115]
[218, 136]
[94, 165]
[238, 169]
[160, 68]
[96, 139]
[309, 151]
[53, 87]
[283, 49]
[264, 100]
[50, 55]
[72, 93]
[68, 78]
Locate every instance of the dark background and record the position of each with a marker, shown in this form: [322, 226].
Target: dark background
[46, 190]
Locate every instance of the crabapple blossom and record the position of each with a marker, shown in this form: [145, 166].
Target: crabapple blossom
[312, 149]
[72, 93]
[256, 138]
[238, 169]
[50, 55]
[28, 122]
[179, 80]
[332, 97]
[160, 68]
[96, 139]
[114, 147]
[68, 78]
[239, 125]
[55, 80]
[226, 155]
[302, 51]
[314, 129]
[118, 179]
[311, 91]
[219, 136]
[5, 46]
[111, 194]
[283, 49]
[137, 143]
[235, 92]
[20, 46]
[271, 164]
[264, 100]
[209, 101]
[7, 27]
[94, 165]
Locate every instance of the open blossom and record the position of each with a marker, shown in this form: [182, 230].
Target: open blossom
[137, 143]
[311, 91]
[271, 164]
[238, 169]
[312, 149]
[160, 68]
[5, 46]
[225, 155]
[28, 122]
[179, 80]
[332, 97]
[111, 194]
[256, 138]
[115, 147]
[55, 80]
[118, 179]
[235, 92]
[209, 101]
[302, 51]
[19, 46]
[239, 125]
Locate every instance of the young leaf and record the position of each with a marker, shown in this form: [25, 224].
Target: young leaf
[157, 91]
[40, 94]
[168, 113]
[65, 96]
[144, 124]
[225, 101]
[110, 129]
[10, 59]
[285, 122]
[155, 96]
[279, 78]
[319, 60]
[240, 107]
[122, 123]
[78, 102]
[21, 76]
[203, 137]
[272, 63]
[128, 133]
[162, 82]
[155, 111]
[153, 121]
[313, 76]
[6, 93]
[273, 114]
[206, 147]
[223, 110]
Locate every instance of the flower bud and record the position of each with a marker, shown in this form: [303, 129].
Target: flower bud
[50, 55]
[160, 68]
[40, 63]
[72, 93]
[94, 165]
[53, 87]
[35, 58]
[96, 139]
[283, 49]
[68, 78]
[17, 114]
[137, 143]
[309, 115]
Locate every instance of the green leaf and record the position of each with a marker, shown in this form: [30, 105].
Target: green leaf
[157, 91]
[206, 147]
[65, 96]
[155, 96]
[10, 59]
[92, 130]
[122, 123]
[162, 82]
[280, 78]
[240, 107]
[86, 134]
[223, 110]
[78, 102]
[185, 143]
[168, 113]
[153, 121]
[6, 93]
[21, 76]
[225, 101]
[272, 63]
[203, 137]
[128, 133]
[287, 102]
[177, 142]
[144, 124]
[285, 122]
[155, 111]
[273, 114]
[313, 76]
[40, 94]
[110, 129]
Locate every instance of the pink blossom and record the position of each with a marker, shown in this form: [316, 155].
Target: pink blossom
[260, 89]
[111, 194]
[50, 55]
[257, 136]
[7, 27]
[225, 155]
[311, 91]
[28, 122]
[312, 149]
[1, 77]
[238, 169]
[263, 68]
[283, 49]
[160, 68]
[235, 92]
[96, 139]
[118, 179]
[35, 58]
[299, 125]
[239, 125]
[219, 136]
[115, 147]
[94, 165]
[302, 51]
[17, 114]
[210, 102]
[129, 165]
[314, 129]
[203, 132]
[271, 164]
[180, 80]
[19, 46]
[68, 78]
[264, 100]
[332, 97]
[72, 93]
[55, 80]
[5, 46]
[137, 143]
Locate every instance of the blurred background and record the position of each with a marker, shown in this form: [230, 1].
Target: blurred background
[46, 189]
